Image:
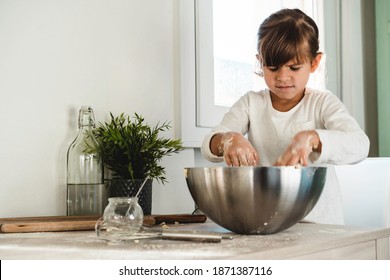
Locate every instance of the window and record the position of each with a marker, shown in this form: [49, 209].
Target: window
[226, 50]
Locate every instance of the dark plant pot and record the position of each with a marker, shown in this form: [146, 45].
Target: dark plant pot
[129, 188]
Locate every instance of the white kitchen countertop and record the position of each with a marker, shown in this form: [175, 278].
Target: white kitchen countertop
[302, 241]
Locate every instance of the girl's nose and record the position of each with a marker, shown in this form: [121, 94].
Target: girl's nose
[283, 74]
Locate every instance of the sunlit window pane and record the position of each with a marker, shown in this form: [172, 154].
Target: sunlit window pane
[235, 26]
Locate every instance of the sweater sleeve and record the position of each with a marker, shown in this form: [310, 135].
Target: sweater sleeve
[236, 119]
[343, 141]
[205, 148]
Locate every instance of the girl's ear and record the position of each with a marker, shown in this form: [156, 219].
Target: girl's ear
[316, 62]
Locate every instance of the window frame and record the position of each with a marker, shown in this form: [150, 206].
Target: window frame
[191, 134]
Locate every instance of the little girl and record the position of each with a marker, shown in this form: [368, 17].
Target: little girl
[289, 123]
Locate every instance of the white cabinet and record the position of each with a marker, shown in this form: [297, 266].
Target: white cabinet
[365, 189]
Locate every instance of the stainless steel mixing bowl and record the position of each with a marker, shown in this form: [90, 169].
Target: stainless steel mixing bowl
[255, 200]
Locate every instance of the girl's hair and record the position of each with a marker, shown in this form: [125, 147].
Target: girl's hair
[286, 35]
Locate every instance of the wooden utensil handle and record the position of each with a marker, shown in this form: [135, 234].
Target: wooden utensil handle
[50, 218]
[47, 226]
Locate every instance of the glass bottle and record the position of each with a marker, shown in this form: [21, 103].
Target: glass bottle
[86, 192]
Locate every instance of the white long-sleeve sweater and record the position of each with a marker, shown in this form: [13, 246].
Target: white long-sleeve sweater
[270, 131]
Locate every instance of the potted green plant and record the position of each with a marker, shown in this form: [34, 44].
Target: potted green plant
[132, 151]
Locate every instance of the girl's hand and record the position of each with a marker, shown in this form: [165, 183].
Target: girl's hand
[236, 149]
[300, 148]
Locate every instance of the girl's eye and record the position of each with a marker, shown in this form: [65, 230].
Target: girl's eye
[275, 68]
[272, 68]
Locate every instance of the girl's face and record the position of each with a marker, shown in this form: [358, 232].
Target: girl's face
[287, 82]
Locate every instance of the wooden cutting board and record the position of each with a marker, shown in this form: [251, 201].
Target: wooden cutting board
[72, 223]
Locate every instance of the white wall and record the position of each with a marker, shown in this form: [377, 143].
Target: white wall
[57, 55]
